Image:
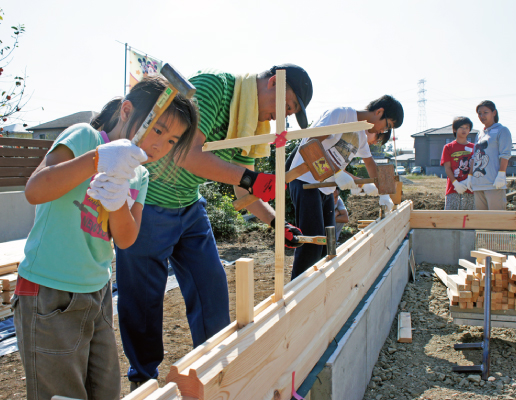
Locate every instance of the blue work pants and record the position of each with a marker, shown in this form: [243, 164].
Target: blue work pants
[314, 211]
[184, 237]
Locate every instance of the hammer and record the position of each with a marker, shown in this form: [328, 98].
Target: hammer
[385, 182]
[315, 161]
[329, 240]
[177, 84]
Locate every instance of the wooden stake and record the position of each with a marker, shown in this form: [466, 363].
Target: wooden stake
[280, 186]
[244, 291]
[404, 328]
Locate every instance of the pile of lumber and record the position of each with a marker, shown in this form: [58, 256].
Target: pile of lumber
[8, 277]
[466, 289]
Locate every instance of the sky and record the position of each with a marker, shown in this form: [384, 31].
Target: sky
[354, 51]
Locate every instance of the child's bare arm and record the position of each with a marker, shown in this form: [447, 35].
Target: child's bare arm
[125, 224]
[58, 173]
[341, 216]
[449, 172]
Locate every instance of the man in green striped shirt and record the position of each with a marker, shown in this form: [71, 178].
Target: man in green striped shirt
[175, 227]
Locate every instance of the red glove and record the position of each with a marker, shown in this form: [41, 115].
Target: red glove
[291, 232]
[260, 184]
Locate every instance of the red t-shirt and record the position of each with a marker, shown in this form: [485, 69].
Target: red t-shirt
[458, 155]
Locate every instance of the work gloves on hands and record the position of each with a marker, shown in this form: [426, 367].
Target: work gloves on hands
[500, 180]
[370, 189]
[110, 191]
[459, 186]
[119, 158]
[344, 181]
[468, 182]
[385, 200]
[291, 232]
[259, 184]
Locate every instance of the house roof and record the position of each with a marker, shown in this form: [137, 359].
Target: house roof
[445, 130]
[15, 128]
[405, 157]
[65, 122]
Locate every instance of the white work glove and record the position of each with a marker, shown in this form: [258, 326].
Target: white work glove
[110, 191]
[344, 180]
[459, 186]
[119, 158]
[385, 200]
[357, 191]
[500, 181]
[469, 183]
[370, 189]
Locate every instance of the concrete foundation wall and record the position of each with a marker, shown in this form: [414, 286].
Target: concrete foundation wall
[443, 246]
[347, 372]
[16, 216]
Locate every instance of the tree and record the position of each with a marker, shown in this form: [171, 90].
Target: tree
[12, 88]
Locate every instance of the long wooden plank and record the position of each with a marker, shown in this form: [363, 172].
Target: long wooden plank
[12, 172]
[26, 142]
[19, 162]
[470, 266]
[4, 182]
[13, 152]
[143, 391]
[442, 275]
[292, 135]
[279, 253]
[490, 220]
[297, 333]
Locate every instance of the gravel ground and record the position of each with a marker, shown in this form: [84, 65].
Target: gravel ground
[423, 369]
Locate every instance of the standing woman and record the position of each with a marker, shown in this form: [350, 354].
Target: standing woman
[490, 159]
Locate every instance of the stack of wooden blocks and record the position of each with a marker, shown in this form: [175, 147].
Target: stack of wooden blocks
[467, 288]
[8, 277]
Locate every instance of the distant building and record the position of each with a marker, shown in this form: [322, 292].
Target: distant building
[407, 160]
[50, 130]
[429, 144]
[17, 131]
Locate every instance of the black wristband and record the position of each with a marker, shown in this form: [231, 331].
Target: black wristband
[248, 179]
[273, 223]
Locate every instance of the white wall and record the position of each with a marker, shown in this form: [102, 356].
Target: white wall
[16, 216]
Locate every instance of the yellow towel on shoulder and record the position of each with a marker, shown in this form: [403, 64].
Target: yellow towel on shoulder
[243, 116]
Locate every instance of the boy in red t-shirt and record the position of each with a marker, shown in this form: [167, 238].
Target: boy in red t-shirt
[455, 158]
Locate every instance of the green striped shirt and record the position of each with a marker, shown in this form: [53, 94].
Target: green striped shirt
[214, 92]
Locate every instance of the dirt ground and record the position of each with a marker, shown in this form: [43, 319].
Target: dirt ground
[421, 370]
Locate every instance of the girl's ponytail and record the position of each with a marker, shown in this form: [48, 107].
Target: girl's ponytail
[108, 117]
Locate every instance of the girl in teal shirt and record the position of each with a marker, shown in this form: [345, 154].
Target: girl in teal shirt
[90, 188]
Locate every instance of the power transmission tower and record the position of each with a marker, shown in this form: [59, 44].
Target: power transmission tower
[421, 119]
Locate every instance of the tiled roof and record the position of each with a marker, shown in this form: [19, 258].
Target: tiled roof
[65, 122]
[445, 130]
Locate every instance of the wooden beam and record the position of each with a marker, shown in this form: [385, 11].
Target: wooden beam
[244, 291]
[292, 135]
[489, 220]
[483, 254]
[143, 391]
[168, 392]
[279, 254]
[291, 335]
[442, 275]
[470, 266]
[404, 328]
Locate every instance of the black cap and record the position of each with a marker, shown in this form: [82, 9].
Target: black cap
[301, 84]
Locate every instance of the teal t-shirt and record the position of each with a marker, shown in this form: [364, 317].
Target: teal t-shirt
[68, 249]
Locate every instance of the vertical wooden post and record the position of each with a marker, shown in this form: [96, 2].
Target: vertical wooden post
[280, 186]
[244, 291]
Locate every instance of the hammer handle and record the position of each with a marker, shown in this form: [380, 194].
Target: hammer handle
[333, 184]
[248, 199]
[312, 239]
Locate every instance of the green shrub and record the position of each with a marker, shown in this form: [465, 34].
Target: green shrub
[225, 221]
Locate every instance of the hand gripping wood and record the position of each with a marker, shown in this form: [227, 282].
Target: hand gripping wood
[178, 84]
[315, 160]
[386, 181]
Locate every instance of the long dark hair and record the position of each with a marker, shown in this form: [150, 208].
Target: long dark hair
[143, 96]
[489, 104]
